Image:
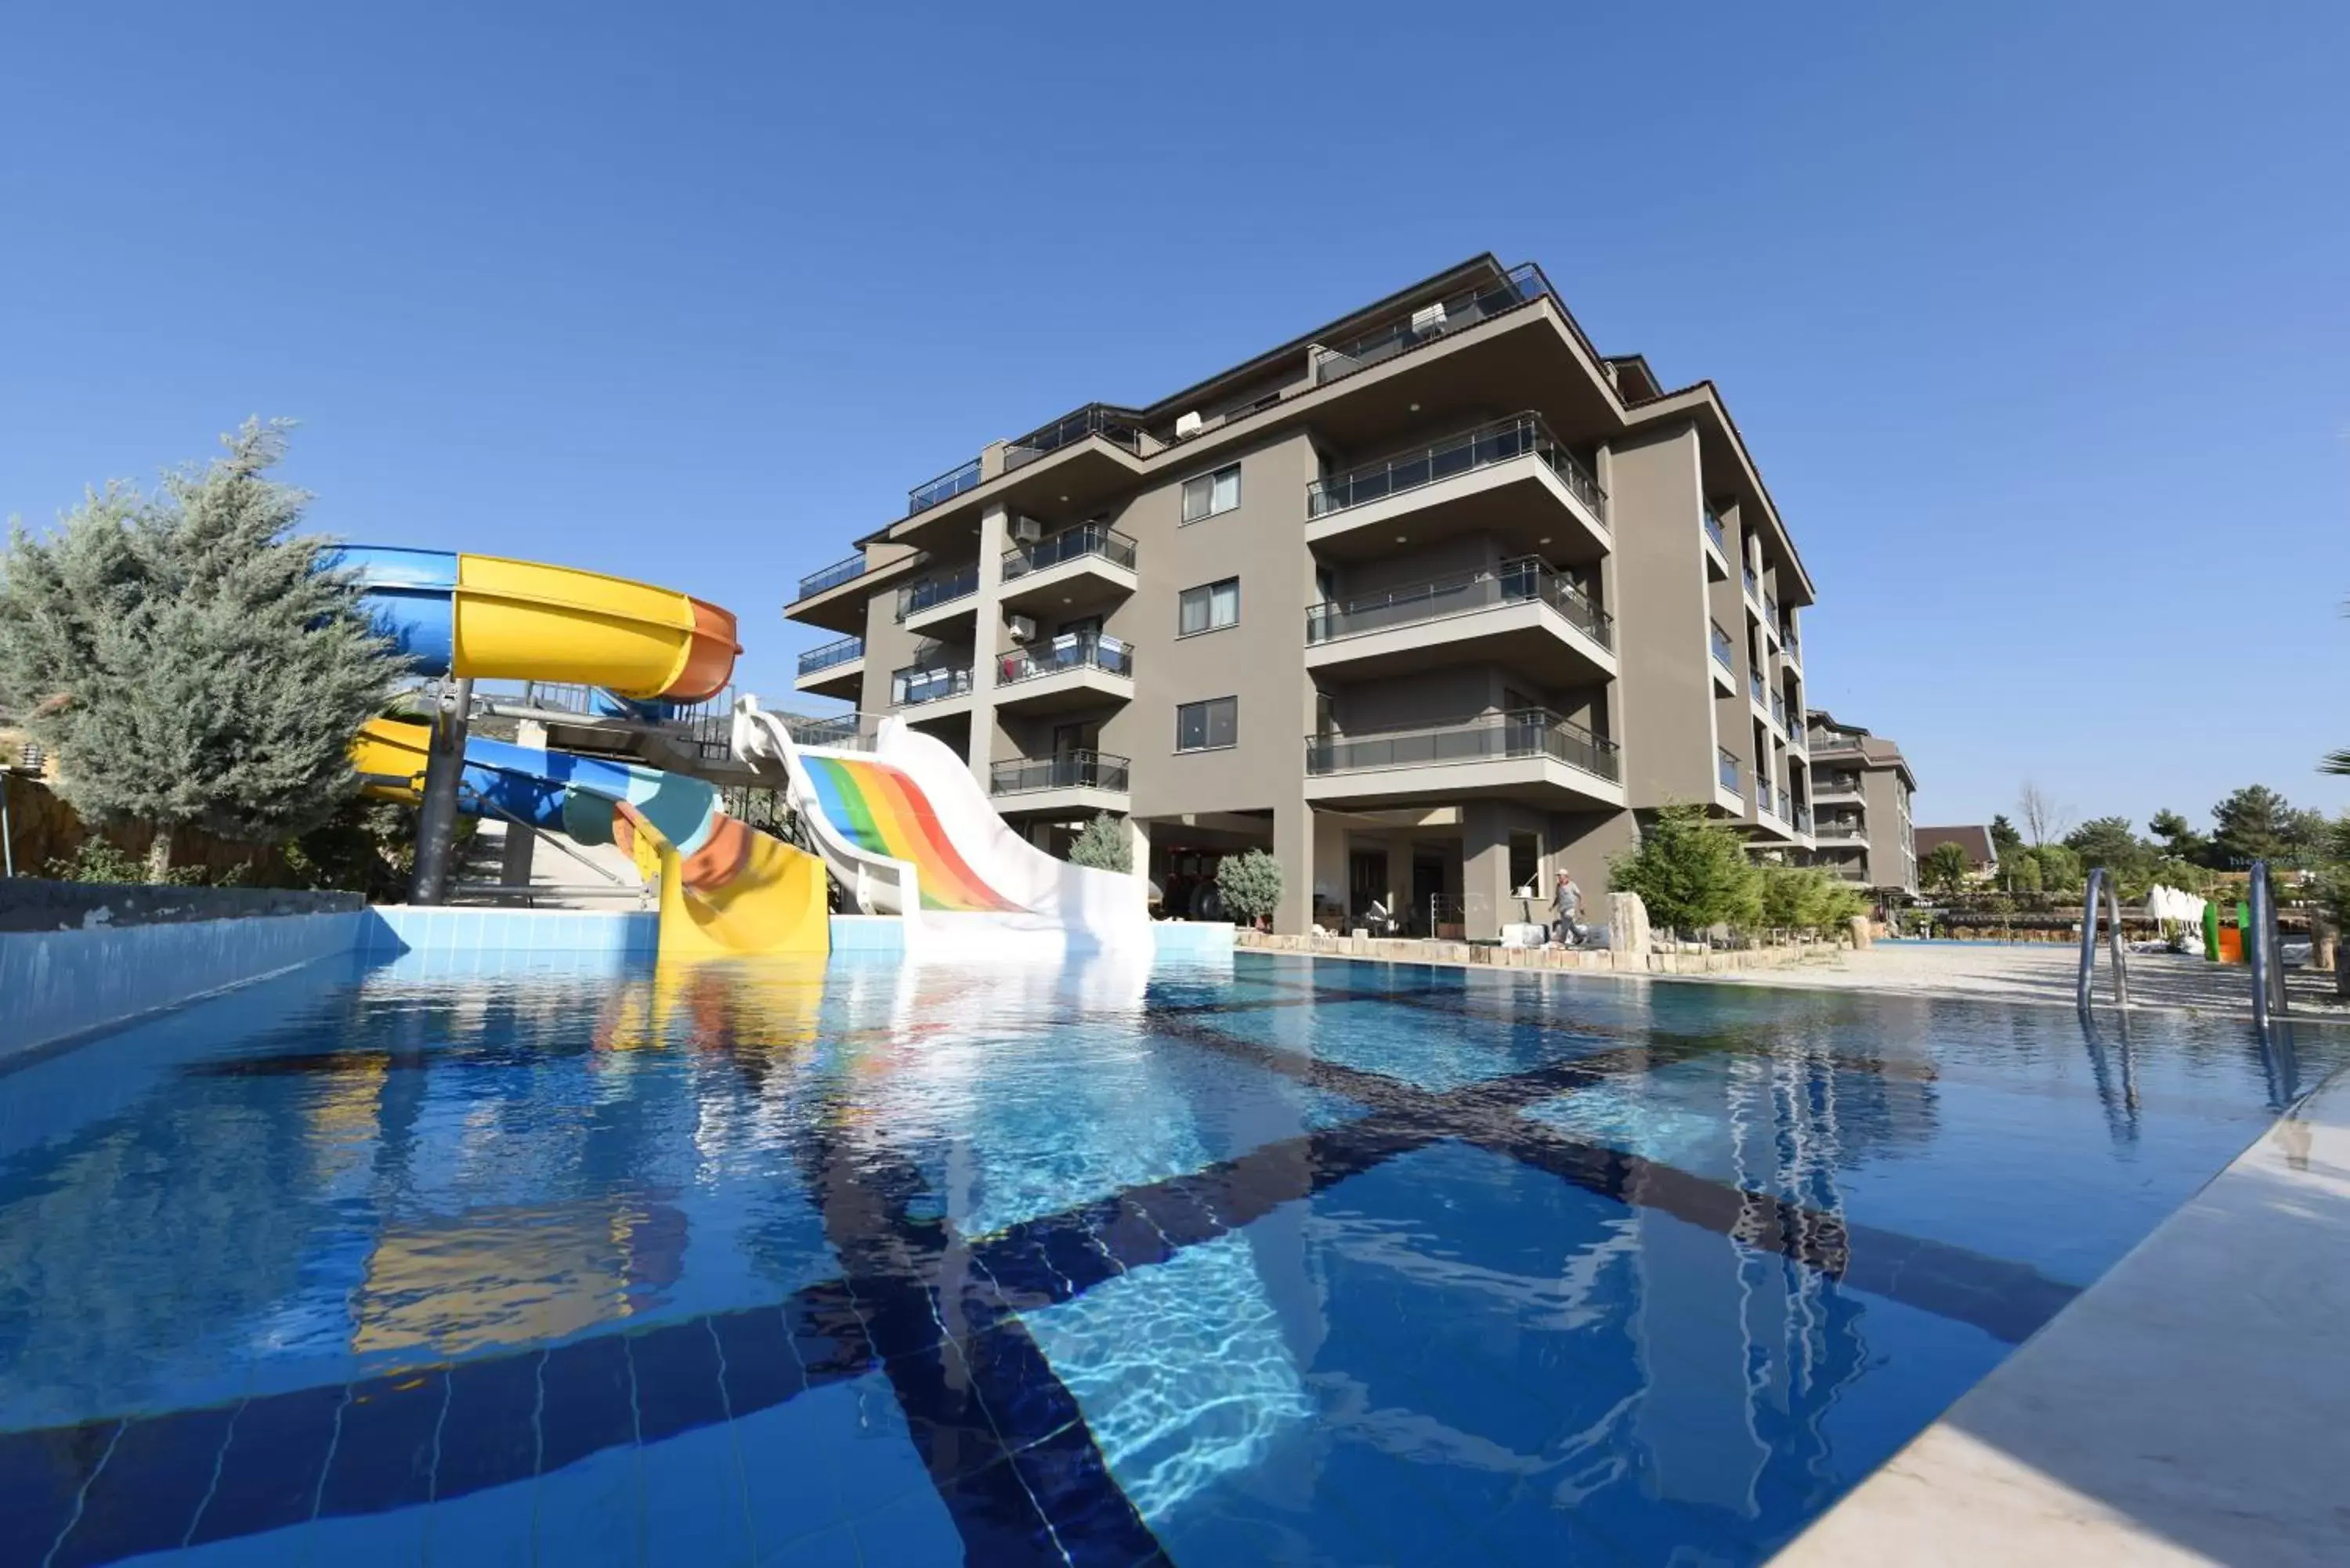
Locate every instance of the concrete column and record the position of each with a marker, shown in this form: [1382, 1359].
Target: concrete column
[986, 637]
[1484, 869]
[1138, 833]
[1293, 845]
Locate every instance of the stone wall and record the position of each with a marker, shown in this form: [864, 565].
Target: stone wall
[29, 904]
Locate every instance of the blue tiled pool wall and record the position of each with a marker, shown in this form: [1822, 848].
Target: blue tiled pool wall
[1052, 1391]
[57, 986]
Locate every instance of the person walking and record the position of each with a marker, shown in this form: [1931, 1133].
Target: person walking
[1568, 901]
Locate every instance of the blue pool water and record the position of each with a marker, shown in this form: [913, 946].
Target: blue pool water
[1277, 1260]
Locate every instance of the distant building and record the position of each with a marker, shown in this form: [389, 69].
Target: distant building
[1860, 802]
[1982, 855]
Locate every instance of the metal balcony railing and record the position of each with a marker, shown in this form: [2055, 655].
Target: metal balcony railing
[1723, 649]
[935, 591]
[1067, 770]
[1834, 741]
[1713, 532]
[1069, 544]
[846, 650]
[1119, 427]
[1487, 737]
[1516, 582]
[1725, 770]
[832, 577]
[1771, 617]
[1754, 583]
[919, 683]
[1521, 435]
[1802, 816]
[945, 487]
[1071, 651]
[1454, 313]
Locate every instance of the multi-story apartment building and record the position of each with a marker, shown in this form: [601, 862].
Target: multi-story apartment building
[1861, 789]
[1430, 602]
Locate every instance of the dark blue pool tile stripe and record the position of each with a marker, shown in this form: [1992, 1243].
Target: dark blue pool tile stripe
[399, 1440]
[1004, 1442]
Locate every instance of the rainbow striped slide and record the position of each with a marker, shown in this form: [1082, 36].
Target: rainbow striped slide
[882, 811]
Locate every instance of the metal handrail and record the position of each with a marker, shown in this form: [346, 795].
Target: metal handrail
[1069, 544]
[1722, 647]
[2099, 882]
[1071, 651]
[832, 577]
[1065, 770]
[1519, 435]
[1519, 732]
[917, 683]
[1725, 770]
[1520, 286]
[945, 487]
[1119, 427]
[936, 591]
[1515, 582]
[2260, 949]
[830, 654]
[1713, 532]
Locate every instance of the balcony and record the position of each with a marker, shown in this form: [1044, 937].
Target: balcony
[922, 683]
[1779, 711]
[1530, 754]
[1824, 742]
[1754, 583]
[938, 600]
[1119, 427]
[1094, 556]
[1771, 617]
[1076, 670]
[1756, 689]
[945, 487]
[835, 669]
[1725, 771]
[1725, 662]
[1802, 816]
[1523, 616]
[1789, 648]
[1838, 828]
[1836, 786]
[1455, 313]
[1069, 780]
[1510, 478]
[832, 577]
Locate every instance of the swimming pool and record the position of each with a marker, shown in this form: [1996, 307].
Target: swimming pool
[1274, 1259]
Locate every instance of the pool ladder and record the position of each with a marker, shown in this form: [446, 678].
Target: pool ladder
[2100, 883]
[2261, 949]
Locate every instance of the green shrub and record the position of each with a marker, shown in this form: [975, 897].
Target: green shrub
[1691, 871]
[1250, 884]
[97, 860]
[1103, 845]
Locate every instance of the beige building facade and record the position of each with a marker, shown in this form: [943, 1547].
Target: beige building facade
[1862, 792]
[1430, 603]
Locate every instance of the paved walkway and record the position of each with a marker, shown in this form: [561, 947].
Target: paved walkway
[2191, 1406]
[2046, 973]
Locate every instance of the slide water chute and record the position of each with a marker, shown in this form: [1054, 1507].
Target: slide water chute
[909, 831]
[725, 887]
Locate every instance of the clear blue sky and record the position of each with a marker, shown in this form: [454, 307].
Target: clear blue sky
[2037, 317]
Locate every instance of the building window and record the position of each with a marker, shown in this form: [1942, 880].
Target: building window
[1525, 864]
[1206, 726]
[1209, 609]
[1210, 493]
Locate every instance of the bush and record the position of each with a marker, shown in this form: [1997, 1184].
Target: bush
[1103, 845]
[1250, 884]
[98, 861]
[1691, 871]
[1805, 898]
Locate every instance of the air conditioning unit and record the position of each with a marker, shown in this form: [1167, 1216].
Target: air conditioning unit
[1428, 319]
[1026, 530]
[1023, 627]
[1188, 425]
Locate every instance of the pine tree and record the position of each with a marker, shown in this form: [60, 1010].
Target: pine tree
[1691, 871]
[1102, 845]
[191, 660]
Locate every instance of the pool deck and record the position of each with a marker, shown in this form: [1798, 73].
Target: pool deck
[2190, 1407]
[2044, 972]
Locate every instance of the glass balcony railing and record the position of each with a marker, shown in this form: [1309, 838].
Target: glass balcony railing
[1802, 818]
[1754, 684]
[945, 487]
[847, 650]
[1119, 427]
[1522, 435]
[1069, 544]
[1518, 582]
[935, 591]
[1754, 583]
[1489, 737]
[1725, 770]
[1723, 649]
[1778, 710]
[832, 577]
[840, 733]
[1068, 770]
[1072, 650]
[1713, 532]
[919, 683]
[1792, 650]
[1455, 313]
[1771, 617]
[1840, 825]
[1834, 741]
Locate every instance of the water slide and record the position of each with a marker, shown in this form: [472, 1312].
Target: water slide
[908, 830]
[725, 887]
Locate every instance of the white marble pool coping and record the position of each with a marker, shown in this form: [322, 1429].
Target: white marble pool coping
[2193, 1406]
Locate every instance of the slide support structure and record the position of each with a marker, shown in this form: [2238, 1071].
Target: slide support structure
[436, 818]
